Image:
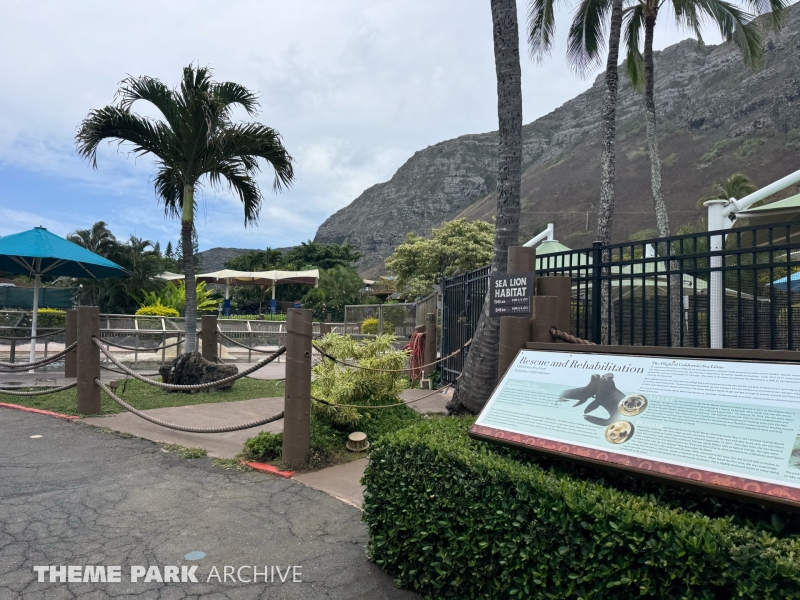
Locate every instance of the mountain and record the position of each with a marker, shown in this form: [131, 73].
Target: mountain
[214, 259]
[716, 117]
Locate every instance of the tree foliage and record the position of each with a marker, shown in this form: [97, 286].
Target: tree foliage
[456, 246]
[338, 287]
[736, 186]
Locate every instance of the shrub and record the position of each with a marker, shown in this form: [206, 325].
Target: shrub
[451, 517]
[158, 310]
[370, 326]
[265, 446]
[51, 317]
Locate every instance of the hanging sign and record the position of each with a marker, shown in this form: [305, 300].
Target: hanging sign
[723, 424]
[510, 294]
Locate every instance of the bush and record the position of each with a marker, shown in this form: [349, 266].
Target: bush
[158, 310]
[265, 446]
[370, 326]
[51, 317]
[451, 517]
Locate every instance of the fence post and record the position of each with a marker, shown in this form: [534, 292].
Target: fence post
[430, 344]
[597, 282]
[515, 332]
[88, 360]
[297, 403]
[324, 328]
[559, 286]
[546, 310]
[71, 336]
[208, 328]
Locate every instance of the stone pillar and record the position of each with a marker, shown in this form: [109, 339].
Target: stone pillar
[88, 327]
[561, 287]
[208, 327]
[430, 344]
[71, 336]
[297, 406]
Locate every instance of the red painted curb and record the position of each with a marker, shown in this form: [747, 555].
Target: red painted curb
[268, 469]
[38, 411]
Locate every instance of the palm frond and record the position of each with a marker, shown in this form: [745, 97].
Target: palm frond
[735, 25]
[541, 28]
[114, 123]
[150, 90]
[634, 59]
[169, 190]
[243, 184]
[229, 94]
[777, 9]
[586, 39]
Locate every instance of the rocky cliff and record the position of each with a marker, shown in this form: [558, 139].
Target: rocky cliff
[716, 117]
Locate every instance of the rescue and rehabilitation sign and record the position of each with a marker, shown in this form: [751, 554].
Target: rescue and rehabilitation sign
[510, 294]
[733, 425]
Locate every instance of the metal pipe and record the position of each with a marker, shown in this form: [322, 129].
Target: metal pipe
[734, 206]
[548, 234]
[716, 315]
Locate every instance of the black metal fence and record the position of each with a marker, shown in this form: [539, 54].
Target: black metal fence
[736, 288]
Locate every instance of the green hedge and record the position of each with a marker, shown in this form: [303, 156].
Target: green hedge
[451, 517]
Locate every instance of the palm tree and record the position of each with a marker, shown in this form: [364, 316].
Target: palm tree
[480, 368]
[195, 142]
[97, 239]
[737, 186]
[735, 25]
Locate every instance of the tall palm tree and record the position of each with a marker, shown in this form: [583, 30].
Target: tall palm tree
[196, 142]
[585, 46]
[480, 368]
[97, 239]
[735, 25]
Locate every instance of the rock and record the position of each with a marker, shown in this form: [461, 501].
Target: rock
[192, 369]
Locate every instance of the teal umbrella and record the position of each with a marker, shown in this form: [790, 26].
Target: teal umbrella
[38, 252]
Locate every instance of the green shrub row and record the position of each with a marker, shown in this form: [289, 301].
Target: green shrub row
[158, 310]
[451, 517]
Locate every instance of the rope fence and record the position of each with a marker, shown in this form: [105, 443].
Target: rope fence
[40, 392]
[141, 349]
[347, 364]
[407, 402]
[570, 339]
[189, 388]
[233, 341]
[38, 363]
[168, 425]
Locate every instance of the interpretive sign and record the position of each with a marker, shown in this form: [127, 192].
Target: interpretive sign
[717, 423]
[510, 294]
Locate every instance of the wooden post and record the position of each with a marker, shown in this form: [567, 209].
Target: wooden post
[324, 328]
[297, 404]
[515, 332]
[71, 336]
[546, 310]
[88, 360]
[208, 327]
[429, 355]
[561, 287]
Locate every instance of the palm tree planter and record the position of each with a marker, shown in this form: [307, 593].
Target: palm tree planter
[196, 142]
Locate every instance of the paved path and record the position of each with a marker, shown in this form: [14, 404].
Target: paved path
[81, 496]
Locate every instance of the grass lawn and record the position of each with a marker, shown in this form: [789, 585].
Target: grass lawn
[143, 396]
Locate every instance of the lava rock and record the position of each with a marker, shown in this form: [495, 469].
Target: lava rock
[192, 369]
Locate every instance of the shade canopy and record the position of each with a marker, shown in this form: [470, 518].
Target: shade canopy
[39, 252]
[792, 283]
[236, 278]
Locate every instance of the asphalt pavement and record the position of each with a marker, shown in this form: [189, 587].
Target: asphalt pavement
[79, 496]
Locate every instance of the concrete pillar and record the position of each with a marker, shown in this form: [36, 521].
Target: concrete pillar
[430, 344]
[208, 327]
[297, 404]
[546, 310]
[88, 360]
[515, 332]
[559, 286]
[71, 335]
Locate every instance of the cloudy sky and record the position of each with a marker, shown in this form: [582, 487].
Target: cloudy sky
[354, 87]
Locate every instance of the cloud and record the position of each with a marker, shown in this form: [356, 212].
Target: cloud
[354, 87]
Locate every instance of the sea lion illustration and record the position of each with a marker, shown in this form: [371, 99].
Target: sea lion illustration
[581, 394]
[619, 432]
[608, 397]
[632, 404]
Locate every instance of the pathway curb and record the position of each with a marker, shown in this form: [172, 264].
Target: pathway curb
[39, 411]
[267, 468]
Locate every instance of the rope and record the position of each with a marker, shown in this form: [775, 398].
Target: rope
[366, 406]
[230, 339]
[44, 335]
[346, 364]
[195, 387]
[147, 417]
[41, 393]
[102, 366]
[132, 349]
[39, 363]
[566, 337]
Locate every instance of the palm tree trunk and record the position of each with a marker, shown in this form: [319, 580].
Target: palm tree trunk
[662, 220]
[605, 211]
[187, 225]
[479, 377]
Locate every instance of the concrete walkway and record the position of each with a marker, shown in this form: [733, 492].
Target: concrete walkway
[75, 495]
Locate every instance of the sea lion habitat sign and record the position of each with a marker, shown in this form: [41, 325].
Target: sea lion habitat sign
[729, 425]
[510, 294]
